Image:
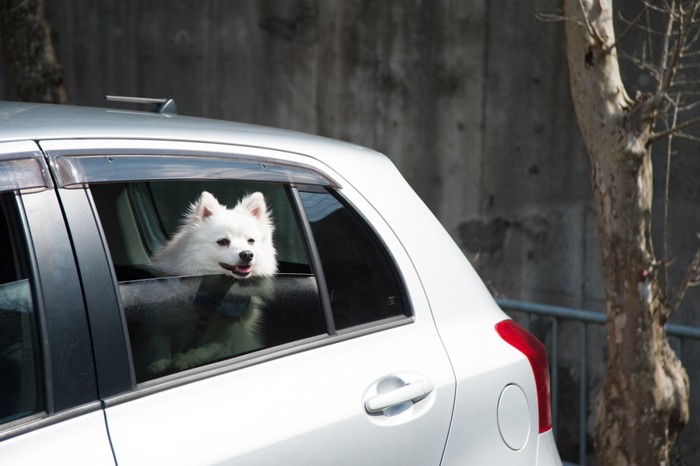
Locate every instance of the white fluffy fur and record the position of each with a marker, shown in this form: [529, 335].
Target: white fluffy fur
[194, 250]
[209, 242]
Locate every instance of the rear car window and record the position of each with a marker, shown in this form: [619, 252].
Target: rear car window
[362, 282]
[21, 378]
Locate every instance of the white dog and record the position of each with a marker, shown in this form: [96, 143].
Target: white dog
[213, 240]
[233, 249]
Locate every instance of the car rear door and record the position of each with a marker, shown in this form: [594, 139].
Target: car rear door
[372, 386]
[49, 408]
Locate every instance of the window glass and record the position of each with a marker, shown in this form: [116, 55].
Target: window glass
[205, 272]
[20, 362]
[361, 279]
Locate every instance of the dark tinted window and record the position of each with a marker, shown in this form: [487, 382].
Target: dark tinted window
[20, 362]
[362, 281]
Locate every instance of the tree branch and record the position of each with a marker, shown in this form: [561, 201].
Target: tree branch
[666, 70]
[692, 278]
[667, 185]
[630, 25]
[673, 130]
[688, 137]
[641, 64]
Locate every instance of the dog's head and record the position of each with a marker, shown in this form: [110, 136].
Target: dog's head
[237, 241]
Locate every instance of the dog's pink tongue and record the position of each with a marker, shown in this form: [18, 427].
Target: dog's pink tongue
[243, 269]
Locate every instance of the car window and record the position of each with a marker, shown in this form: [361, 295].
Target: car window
[20, 359]
[191, 298]
[362, 282]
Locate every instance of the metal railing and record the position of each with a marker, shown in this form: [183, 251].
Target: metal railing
[558, 315]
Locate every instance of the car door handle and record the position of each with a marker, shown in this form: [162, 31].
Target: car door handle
[412, 392]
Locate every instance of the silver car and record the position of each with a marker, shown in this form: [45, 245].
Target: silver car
[374, 343]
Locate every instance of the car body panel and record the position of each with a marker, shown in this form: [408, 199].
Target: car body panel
[76, 441]
[305, 409]
[462, 308]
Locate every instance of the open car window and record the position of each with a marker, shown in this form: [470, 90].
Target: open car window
[139, 218]
[200, 312]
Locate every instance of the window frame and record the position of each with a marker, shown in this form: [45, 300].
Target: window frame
[68, 381]
[376, 237]
[74, 176]
[77, 163]
[28, 169]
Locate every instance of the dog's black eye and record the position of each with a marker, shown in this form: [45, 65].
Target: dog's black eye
[251, 241]
[223, 242]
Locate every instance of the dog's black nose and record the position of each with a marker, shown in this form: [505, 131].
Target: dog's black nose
[246, 256]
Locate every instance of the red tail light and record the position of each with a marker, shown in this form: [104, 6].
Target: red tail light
[536, 353]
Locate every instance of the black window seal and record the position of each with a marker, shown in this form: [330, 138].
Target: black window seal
[315, 259]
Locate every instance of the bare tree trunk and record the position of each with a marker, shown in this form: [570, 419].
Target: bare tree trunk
[29, 51]
[643, 403]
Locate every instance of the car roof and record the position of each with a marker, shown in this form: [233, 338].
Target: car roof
[41, 122]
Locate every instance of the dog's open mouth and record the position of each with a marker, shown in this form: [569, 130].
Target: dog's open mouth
[238, 270]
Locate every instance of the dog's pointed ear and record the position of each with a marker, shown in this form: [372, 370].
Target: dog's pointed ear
[255, 204]
[205, 206]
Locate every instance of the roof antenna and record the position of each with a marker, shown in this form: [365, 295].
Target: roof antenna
[166, 106]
